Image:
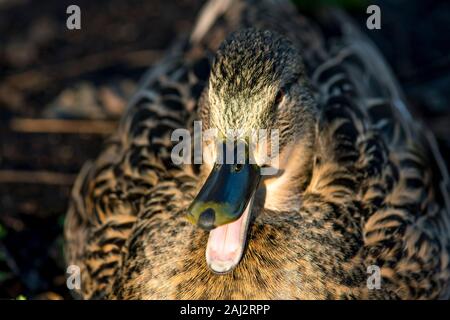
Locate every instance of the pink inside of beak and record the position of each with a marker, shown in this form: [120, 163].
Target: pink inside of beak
[226, 243]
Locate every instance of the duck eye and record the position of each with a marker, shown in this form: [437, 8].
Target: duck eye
[279, 97]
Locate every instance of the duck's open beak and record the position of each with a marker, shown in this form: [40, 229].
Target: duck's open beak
[223, 206]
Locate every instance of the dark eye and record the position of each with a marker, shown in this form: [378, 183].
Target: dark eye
[279, 97]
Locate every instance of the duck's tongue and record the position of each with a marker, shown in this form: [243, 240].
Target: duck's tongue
[226, 243]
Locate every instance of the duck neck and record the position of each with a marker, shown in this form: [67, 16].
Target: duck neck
[282, 192]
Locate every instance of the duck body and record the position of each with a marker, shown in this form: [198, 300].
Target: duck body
[370, 189]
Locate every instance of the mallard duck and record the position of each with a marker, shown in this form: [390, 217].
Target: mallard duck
[360, 184]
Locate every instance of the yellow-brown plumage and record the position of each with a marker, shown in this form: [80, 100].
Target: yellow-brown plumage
[367, 184]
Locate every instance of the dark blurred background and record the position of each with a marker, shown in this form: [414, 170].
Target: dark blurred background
[62, 92]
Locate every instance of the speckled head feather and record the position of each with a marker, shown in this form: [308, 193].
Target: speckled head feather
[251, 71]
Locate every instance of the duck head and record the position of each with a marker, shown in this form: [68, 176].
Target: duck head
[257, 88]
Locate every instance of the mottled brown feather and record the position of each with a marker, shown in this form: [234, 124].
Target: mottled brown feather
[375, 193]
